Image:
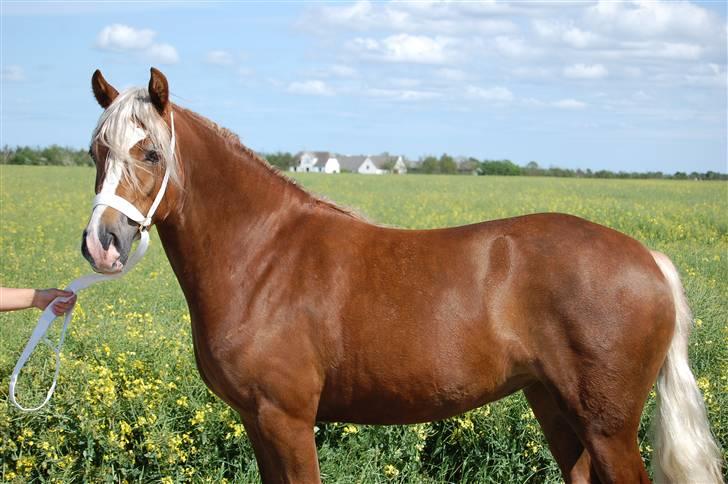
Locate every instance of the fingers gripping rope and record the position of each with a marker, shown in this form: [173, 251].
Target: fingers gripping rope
[47, 317]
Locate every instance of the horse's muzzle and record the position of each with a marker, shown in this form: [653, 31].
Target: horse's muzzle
[107, 248]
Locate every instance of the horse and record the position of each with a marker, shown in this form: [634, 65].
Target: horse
[302, 311]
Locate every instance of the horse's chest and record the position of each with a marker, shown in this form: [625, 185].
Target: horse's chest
[219, 362]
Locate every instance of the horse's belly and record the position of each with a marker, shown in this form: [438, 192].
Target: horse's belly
[396, 395]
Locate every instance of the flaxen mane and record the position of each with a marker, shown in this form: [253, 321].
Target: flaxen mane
[133, 109]
[233, 140]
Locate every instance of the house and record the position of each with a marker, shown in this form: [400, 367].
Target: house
[317, 162]
[389, 164]
[325, 162]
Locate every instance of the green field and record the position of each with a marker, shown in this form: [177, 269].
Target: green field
[130, 405]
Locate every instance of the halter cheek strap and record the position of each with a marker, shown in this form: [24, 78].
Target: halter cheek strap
[47, 317]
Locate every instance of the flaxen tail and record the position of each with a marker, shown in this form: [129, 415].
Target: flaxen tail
[685, 450]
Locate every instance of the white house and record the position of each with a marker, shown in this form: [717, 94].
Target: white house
[317, 162]
[325, 162]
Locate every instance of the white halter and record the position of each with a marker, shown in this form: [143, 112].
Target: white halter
[47, 317]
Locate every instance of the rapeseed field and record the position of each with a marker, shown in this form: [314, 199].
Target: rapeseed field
[131, 407]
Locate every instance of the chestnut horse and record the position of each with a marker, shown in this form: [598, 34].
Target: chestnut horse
[303, 312]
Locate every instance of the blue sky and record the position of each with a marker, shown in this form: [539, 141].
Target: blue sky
[623, 86]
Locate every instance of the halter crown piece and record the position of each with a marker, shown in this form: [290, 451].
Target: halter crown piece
[47, 317]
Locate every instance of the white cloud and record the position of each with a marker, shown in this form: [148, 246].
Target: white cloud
[219, 57]
[580, 39]
[566, 33]
[405, 82]
[119, 37]
[163, 53]
[546, 28]
[572, 104]
[655, 18]
[673, 50]
[402, 94]
[497, 93]
[406, 48]
[123, 38]
[527, 72]
[311, 87]
[568, 104]
[512, 47]
[584, 71]
[245, 73]
[13, 73]
[340, 70]
[451, 74]
[449, 18]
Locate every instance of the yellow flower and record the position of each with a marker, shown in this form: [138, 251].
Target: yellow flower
[465, 423]
[703, 383]
[391, 471]
[199, 417]
[351, 429]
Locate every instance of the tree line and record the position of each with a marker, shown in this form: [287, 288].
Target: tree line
[445, 164]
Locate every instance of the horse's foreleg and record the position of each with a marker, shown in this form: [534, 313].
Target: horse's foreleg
[284, 445]
[565, 446]
[266, 467]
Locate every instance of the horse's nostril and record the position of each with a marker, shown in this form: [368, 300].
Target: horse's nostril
[84, 249]
[115, 240]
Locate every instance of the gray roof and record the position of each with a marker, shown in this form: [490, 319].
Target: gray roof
[380, 160]
[321, 156]
[351, 163]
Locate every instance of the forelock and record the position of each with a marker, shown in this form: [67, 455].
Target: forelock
[118, 130]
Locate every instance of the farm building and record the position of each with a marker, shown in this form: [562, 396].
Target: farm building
[326, 162]
[317, 162]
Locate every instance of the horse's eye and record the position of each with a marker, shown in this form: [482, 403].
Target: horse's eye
[151, 156]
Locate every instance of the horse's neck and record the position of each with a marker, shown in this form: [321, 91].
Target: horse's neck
[232, 205]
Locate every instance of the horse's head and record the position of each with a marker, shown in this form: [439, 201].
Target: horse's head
[132, 149]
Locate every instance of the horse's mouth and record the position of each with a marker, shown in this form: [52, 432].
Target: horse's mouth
[116, 267]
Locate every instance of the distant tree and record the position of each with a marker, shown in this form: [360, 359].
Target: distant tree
[468, 166]
[65, 156]
[500, 167]
[532, 169]
[447, 164]
[389, 164]
[51, 155]
[282, 160]
[430, 165]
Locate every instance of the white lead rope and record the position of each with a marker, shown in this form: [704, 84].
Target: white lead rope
[47, 317]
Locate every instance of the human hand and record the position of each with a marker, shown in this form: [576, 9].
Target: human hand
[43, 297]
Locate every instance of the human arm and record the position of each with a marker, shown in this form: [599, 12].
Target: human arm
[20, 298]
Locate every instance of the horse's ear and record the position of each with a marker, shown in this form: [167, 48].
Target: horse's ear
[103, 91]
[158, 90]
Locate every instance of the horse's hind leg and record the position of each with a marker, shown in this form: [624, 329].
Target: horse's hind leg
[605, 429]
[616, 457]
[564, 444]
